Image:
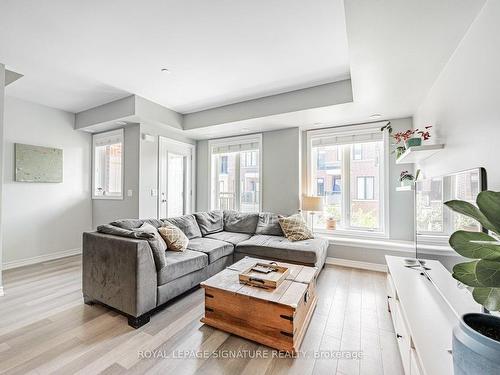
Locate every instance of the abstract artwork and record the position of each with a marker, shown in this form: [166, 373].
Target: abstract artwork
[38, 164]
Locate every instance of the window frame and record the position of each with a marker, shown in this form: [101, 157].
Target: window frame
[252, 138]
[120, 133]
[384, 194]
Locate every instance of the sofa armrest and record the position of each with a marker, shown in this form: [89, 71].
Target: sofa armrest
[119, 272]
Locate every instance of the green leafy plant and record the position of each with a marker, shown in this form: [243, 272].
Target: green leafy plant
[483, 273]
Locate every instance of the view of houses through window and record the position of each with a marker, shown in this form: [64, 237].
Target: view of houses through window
[108, 164]
[349, 177]
[236, 178]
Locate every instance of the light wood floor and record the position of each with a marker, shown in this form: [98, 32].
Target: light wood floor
[45, 328]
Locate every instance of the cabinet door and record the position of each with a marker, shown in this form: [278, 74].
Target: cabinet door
[402, 336]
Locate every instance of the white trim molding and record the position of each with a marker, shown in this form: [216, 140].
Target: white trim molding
[40, 259]
[356, 264]
[1, 291]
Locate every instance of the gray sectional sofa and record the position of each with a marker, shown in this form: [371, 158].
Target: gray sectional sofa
[130, 276]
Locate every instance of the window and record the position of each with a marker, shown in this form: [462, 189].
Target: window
[347, 169]
[357, 151]
[107, 168]
[223, 165]
[365, 188]
[435, 222]
[236, 186]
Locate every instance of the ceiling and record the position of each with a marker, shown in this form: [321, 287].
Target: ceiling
[75, 55]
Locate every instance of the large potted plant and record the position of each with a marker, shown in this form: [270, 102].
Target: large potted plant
[476, 339]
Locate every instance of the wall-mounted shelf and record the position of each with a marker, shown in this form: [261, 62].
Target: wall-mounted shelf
[416, 154]
[406, 188]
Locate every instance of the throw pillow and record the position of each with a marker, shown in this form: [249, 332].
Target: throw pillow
[157, 244]
[269, 224]
[174, 237]
[295, 228]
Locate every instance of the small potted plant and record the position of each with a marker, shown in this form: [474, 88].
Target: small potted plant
[331, 223]
[476, 339]
[406, 178]
[406, 139]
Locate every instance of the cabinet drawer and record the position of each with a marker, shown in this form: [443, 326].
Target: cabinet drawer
[415, 368]
[402, 337]
[391, 290]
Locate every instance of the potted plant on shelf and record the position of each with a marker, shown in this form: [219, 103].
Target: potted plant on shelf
[408, 138]
[406, 178]
[476, 339]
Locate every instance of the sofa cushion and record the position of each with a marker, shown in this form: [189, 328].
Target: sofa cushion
[187, 224]
[209, 222]
[295, 228]
[276, 247]
[175, 238]
[135, 223]
[231, 237]
[215, 249]
[268, 224]
[180, 263]
[157, 244]
[240, 222]
[145, 232]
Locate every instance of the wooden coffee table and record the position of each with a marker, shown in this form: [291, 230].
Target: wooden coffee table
[277, 317]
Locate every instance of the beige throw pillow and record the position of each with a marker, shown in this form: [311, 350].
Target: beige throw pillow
[174, 237]
[295, 228]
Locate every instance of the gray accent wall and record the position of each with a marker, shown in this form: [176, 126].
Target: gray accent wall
[41, 219]
[106, 210]
[281, 167]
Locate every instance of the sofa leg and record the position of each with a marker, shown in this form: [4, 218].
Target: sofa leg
[87, 301]
[139, 321]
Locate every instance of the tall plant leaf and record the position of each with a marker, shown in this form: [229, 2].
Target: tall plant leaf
[488, 273]
[489, 204]
[468, 209]
[466, 273]
[488, 297]
[475, 245]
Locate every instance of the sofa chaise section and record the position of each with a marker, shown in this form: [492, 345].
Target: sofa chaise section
[308, 252]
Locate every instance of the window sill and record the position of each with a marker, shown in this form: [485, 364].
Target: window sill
[97, 197]
[386, 244]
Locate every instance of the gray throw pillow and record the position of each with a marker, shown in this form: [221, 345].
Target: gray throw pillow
[269, 224]
[187, 224]
[239, 222]
[209, 222]
[157, 244]
[117, 231]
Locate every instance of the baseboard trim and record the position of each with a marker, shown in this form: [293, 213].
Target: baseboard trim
[40, 259]
[356, 264]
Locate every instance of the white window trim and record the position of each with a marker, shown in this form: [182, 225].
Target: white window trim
[95, 138]
[251, 138]
[356, 129]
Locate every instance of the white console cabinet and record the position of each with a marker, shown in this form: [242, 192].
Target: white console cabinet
[424, 310]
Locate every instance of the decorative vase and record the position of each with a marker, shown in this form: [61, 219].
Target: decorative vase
[406, 182]
[415, 141]
[331, 224]
[400, 151]
[473, 352]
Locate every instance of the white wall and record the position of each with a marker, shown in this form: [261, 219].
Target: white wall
[2, 86]
[107, 210]
[45, 218]
[148, 176]
[464, 103]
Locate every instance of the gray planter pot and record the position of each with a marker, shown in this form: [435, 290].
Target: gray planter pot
[474, 353]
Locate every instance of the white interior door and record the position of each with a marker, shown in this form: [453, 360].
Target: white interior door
[175, 178]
